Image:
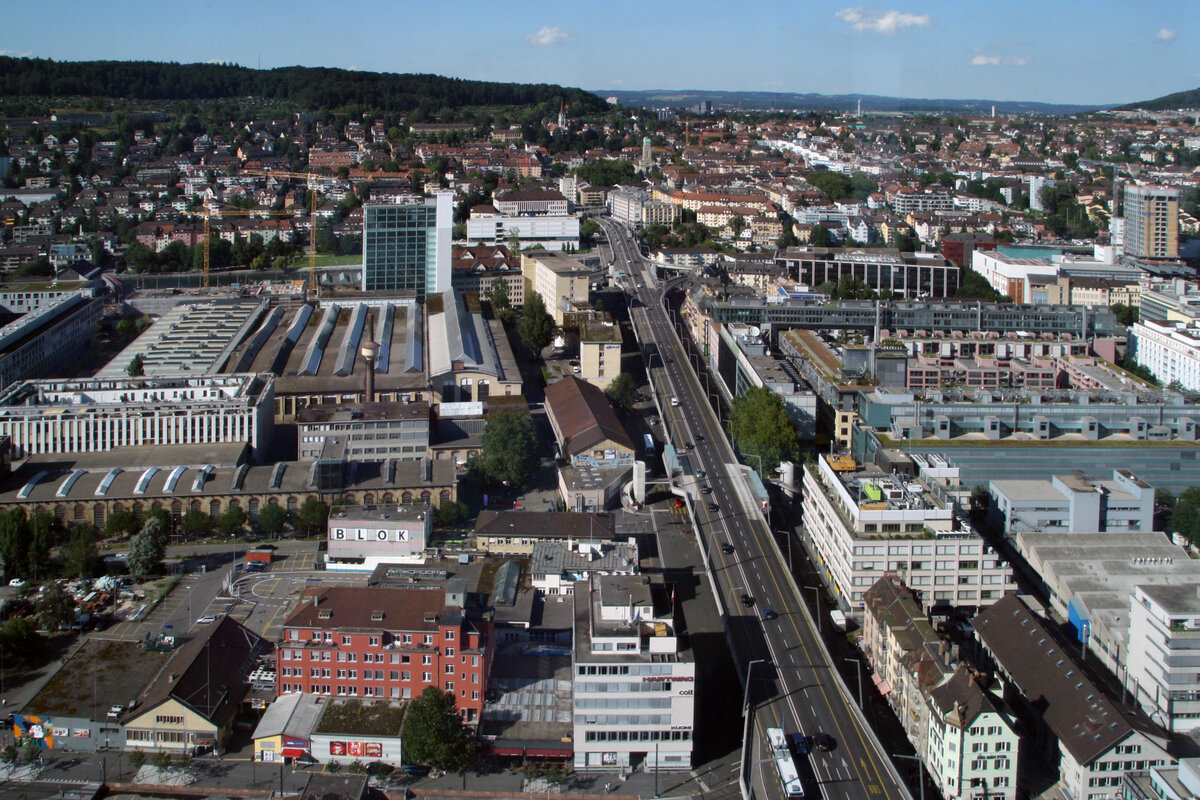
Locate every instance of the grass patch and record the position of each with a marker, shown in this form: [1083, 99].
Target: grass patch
[334, 261]
[366, 719]
[161, 588]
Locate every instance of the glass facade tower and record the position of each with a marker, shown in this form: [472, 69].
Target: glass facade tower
[406, 246]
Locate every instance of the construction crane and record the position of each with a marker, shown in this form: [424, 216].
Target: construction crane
[212, 211]
[309, 178]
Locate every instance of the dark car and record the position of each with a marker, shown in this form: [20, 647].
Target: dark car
[706, 490]
[690, 446]
[747, 600]
[713, 506]
[726, 548]
[770, 614]
[823, 742]
[699, 437]
[415, 769]
[801, 744]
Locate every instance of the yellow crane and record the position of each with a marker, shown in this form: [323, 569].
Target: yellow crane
[309, 179]
[212, 211]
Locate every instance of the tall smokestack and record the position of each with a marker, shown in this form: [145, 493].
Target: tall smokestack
[369, 351]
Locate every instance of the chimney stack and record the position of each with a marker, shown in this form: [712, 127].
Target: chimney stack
[369, 351]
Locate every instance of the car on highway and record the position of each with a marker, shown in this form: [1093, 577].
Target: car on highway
[801, 744]
[689, 446]
[706, 490]
[713, 507]
[726, 548]
[747, 600]
[823, 742]
[701, 473]
[770, 614]
[699, 437]
[670, 360]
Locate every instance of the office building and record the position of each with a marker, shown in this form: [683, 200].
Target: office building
[372, 642]
[862, 522]
[406, 246]
[634, 677]
[1071, 502]
[599, 352]
[1164, 637]
[906, 275]
[562, 281]
[88, 415]
[1151, 222]
[1169, 350]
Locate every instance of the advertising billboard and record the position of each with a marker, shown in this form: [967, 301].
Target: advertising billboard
[37, 730]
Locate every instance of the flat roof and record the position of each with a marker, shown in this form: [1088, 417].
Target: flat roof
[102, 673]
[363, 411]
[377, 514]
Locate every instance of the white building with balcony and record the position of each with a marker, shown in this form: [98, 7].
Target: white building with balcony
[862, 522]
[972, 746]
[1164, 653]
[1170, 350]
[634, 680]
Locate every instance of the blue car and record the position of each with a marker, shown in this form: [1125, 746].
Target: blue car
[801, 744]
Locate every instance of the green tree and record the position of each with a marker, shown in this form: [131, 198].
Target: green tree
[497, 295]
[452, 512]
[1126, 314]
[434, 733]
[271, 519]
[197, 524]
[819, 237]
[137, 367]
[537, 326]
[81, 558]
[232, 521]
[19, 638]
[1185, 517]
[156, 529]
[16, 537]
[56, 609]
[738, 224]
[137, 759]
[621, 392]
[145, 554]
[508, 452]
[121, 524]
[161, 759]
[761, 428]
[312, 516]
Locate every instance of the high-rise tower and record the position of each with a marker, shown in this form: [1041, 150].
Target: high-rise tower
[406, 246]
[1151, 221]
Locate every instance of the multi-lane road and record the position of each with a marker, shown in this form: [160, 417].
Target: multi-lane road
[784, 666]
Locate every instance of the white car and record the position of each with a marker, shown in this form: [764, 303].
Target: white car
[16, 583]
[207, 619]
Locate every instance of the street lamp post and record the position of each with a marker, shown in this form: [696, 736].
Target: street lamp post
[920, 768]
[749, 671]
[858, 669]
[788, 535]
[816, 590]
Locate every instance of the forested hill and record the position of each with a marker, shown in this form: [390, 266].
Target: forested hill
[308, 87]
[1186, 99]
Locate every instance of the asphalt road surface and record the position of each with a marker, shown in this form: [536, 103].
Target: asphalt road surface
[784, 666]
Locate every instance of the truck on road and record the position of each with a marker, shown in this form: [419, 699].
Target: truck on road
[838, 618]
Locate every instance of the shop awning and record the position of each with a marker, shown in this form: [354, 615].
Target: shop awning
[883, 686]
[293, 752]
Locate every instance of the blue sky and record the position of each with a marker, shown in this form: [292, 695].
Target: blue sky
[1068, 51]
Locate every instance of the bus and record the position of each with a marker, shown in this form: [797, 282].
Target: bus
[789, 776]
[648, 442]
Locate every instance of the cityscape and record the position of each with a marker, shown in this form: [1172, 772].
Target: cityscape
[376, 428]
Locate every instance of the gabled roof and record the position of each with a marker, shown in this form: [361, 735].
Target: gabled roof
[207, 674]
[960, 700]
[1078, 713]
[584, 416]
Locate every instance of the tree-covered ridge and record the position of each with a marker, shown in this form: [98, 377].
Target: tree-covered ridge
[308, 87]
[1185, 99]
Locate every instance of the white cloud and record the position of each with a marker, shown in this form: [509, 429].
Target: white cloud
[549, 36]
[984, 60]
[883, 22]
[1165, 35]
[16, 53]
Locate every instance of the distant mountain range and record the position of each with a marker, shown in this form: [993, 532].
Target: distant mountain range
[791, 101]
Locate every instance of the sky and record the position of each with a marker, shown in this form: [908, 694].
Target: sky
[1059, 51]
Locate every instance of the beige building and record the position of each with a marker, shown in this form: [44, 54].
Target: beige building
[1152, 222]
[599, 352]
[560, 279]
[517, 532]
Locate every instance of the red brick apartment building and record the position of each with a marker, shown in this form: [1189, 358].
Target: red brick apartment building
[374, 642]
